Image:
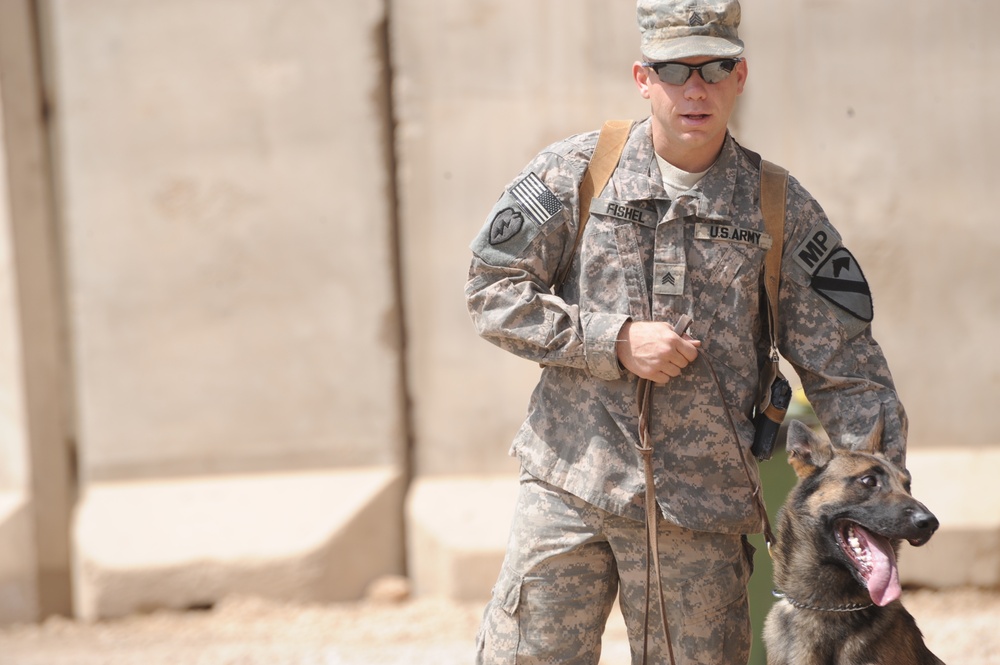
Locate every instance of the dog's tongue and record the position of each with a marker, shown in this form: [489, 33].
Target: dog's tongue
[883, 583]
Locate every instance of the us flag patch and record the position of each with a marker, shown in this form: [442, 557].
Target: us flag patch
[537, 201]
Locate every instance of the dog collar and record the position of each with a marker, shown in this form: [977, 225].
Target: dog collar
[849, 607]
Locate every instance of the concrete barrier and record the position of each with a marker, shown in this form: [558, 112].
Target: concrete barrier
[320, 536]
[18, 567]
[458, 526]
[959, 486]
[457, 530]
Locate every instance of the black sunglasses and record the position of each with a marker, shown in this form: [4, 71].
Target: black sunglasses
[677, 73]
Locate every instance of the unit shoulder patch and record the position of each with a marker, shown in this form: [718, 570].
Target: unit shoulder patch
[834, 273]
[839, 279]
[505, 235]
[505, 225]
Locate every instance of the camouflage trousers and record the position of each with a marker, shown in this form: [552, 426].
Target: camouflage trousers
[567, 560]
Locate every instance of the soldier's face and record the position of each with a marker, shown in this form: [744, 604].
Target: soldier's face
[690, 119]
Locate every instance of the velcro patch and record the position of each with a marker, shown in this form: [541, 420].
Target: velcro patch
[668, 279]
[706, 231]
[537, 200]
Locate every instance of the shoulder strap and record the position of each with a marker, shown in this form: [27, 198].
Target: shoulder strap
[773, 190]
[610, 144]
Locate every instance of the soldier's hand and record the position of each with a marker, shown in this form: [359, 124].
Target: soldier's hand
[652, 350]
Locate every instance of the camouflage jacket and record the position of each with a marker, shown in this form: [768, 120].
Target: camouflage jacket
[644, 257]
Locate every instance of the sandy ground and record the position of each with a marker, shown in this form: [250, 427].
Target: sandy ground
[962, 627]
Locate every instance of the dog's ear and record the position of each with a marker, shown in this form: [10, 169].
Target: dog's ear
[808, 452]
[873, 442]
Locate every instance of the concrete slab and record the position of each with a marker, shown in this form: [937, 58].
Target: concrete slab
[311, 537]
[18, 574]
[457, 530]
[959, 486]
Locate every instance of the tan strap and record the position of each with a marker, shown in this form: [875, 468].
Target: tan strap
[773, 191]
[610, 144]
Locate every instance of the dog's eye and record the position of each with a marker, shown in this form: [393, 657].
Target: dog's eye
[869, 481]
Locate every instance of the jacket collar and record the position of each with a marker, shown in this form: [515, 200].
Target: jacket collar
[638, 179]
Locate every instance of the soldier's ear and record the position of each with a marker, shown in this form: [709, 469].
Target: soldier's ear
[808, 452]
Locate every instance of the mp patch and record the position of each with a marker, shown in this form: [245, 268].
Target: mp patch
[535, 199]
[506, 224]
[839, 279]
[816, 248]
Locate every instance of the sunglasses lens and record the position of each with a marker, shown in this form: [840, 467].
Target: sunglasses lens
[717, 71]
[673, 73]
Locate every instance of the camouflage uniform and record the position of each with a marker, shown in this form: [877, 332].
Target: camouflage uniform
[644, 257]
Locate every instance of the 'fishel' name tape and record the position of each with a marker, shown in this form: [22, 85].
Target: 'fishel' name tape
[622, 211]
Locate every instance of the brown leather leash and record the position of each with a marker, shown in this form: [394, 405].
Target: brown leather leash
[645, 447]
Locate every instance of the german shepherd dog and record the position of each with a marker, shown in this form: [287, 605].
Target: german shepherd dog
[835, 559]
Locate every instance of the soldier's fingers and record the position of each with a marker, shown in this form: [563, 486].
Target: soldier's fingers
[671, 369]
[689, 352]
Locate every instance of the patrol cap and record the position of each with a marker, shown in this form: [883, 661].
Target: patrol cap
[676, 29]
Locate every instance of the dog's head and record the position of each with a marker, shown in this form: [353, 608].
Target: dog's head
[860, 505]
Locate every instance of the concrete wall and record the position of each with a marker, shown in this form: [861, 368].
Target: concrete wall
[226, 208]
[199, 295]
[18, 593]
[223, 180]
[884, 111]
[37, 443]
[480, 88]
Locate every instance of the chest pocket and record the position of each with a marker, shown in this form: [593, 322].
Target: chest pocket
[616, 255]
[726, 269]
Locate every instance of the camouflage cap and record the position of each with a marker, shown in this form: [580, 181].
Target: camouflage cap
[676, 29]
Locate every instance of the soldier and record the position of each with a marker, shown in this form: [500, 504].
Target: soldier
[678, 230]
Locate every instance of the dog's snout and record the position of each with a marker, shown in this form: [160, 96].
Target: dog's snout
[924, 520]
[924, 525]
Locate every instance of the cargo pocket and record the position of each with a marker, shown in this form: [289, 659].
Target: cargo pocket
[500, 634]
[715, 621]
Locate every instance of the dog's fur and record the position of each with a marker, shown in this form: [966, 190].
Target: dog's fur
[834, 559]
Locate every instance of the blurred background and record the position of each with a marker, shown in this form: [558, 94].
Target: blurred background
[234, 351]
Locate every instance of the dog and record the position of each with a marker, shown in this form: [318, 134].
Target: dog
[834, 558]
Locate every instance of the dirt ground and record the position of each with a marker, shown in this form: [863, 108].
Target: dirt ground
[962, 627]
